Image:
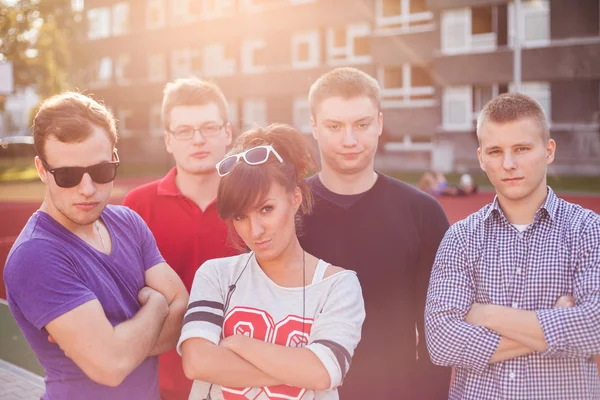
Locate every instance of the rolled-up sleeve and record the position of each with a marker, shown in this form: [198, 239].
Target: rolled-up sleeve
[575, 332]
[450, 340]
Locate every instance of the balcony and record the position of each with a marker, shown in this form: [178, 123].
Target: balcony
[398, 49]
[438, 5]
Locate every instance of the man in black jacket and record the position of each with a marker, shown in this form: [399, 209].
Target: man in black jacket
[382, 228]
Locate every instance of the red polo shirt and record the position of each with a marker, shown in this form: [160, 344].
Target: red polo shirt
[187, 237]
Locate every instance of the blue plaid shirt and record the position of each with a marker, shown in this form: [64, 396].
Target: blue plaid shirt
[485, 259]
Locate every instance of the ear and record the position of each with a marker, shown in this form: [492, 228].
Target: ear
[167, 138]
[297, 200]
[40, 169]
[315, 133]
[228, 133]
[380, 123]
[480, 158]
[550, 151]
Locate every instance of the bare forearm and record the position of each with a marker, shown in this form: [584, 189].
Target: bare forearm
[134, 338]
[296, 367]
[221, 366]
[509, 349]
[171, 329]
[519, 325]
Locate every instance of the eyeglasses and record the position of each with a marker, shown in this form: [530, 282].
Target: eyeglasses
[68, 177]
[186, 132]
[254, 156]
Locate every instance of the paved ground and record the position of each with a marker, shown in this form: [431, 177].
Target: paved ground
[18, 384]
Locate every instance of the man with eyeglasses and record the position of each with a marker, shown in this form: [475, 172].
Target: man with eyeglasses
[180, 209]
[85, 280]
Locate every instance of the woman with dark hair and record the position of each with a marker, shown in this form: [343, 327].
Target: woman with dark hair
[274, 323]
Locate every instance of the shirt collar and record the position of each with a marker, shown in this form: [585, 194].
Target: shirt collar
[550, 205]
[167, 185]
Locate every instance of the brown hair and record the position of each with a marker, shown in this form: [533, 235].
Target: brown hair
[70, 118]
[510, 107]
[247, 185]
[345, 82]
[191, 92]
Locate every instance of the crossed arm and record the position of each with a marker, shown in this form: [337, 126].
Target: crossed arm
[107, 354]
[240, 361]
[461, 333]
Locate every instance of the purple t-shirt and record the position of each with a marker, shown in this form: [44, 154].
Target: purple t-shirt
[50, 271]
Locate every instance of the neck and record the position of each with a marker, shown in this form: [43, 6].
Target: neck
[290, 258]
[200, 188]
[522, 211]
[82, 231]
[348, 184]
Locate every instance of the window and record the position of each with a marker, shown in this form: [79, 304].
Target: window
[302, 115]
[482, 94]
[186, 62]
[469, 30]
[217, 8]
[181, 63]
[457, 108]
[219, 60]
[541, 92]
[406, 86]
[157, 68]
[122, 70]
[254, 113]
[183, 11]
[98, 23]
[77, 6]
[260, 5]
[103, 72]
[120, 19]
[155, 125]
[350, 44]
[155, 14]
[124, 122]
[403, 15]
[253, 56]
[306, 50]
[535, 23]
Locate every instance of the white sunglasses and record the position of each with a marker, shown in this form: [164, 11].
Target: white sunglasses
[254, 156]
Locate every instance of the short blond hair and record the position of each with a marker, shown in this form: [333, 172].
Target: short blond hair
[345, 82]
[510, 107]
[191, 92]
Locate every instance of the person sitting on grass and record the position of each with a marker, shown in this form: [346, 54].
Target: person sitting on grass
[435, 183]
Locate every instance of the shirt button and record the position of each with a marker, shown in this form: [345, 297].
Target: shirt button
[512, 375]
[515, 305]
[518, 270]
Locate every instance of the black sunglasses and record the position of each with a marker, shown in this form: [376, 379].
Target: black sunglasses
[68, 177]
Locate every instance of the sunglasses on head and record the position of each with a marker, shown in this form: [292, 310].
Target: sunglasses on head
[254, 156]
[68, 177]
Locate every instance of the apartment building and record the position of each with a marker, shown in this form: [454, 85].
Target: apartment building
[438, 63]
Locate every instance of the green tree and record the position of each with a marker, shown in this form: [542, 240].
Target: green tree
[38, 37]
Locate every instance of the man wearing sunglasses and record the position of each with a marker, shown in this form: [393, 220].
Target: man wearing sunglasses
[180, 209]
[85, 281]
[382, 228]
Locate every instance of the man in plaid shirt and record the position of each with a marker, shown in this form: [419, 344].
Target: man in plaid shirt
[514, 295]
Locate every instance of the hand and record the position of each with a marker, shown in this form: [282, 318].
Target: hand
[146, 293]
[53, 341]
[230, 341]
[565, 302]
[477, 313]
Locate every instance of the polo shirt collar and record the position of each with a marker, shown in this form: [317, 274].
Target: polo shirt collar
[167, 185]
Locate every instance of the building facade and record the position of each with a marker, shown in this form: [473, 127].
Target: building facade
[438, 63]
